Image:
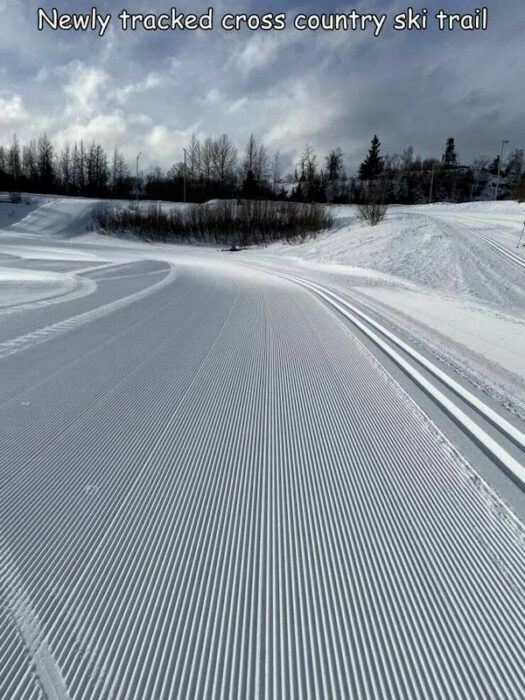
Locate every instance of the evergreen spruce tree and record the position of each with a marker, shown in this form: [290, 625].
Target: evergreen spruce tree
[373, 165]
[494, 166]
[450, 158]
[249, 186]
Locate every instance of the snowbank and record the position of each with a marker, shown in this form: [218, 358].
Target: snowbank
[12, 213]
[427, 270]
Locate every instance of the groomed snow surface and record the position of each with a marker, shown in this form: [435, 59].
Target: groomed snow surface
[215, 483]
[432, 272]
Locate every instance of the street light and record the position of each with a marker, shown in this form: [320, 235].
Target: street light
[503, 143]
[137, 183]
[185, 171]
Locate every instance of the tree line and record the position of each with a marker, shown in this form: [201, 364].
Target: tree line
[214, 169]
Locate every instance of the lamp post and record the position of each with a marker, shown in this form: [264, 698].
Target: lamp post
[185, 173]
[137, 182]
[503, 143]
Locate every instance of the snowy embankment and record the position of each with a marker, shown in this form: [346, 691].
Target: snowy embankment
[13, 212]
[33, 275]
[421, 247]
[428, 272]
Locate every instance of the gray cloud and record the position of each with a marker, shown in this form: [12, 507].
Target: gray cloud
[150, 91]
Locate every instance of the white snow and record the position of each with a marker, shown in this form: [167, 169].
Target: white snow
[12, 213]
[423, 264]
[369, 326]
[487, 332]
[439, 281]
[414, 244]
[224, 466]
[58, 216]
[23, 286]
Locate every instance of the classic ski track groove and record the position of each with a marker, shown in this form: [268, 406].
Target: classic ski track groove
[87, 287]
[350, 311]
[266, 514]
[500, 249]
[21, 343]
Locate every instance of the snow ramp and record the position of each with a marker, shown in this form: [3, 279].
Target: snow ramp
[62, 216]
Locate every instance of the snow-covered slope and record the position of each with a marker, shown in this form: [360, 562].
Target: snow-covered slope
[66, 216]
[420, 245]
[11, 213]
[33, 275]
[433, 272]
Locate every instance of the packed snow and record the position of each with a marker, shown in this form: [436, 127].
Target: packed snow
[423, 268]
[13, 212]
[198, 454]
[22, 286]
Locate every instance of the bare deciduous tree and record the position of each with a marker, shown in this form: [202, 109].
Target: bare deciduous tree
[207, 159]
[14, 159]
[307, 164]
[194, 162]
[224, 159]
[334, 164]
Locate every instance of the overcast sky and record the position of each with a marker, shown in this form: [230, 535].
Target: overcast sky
[149, 92]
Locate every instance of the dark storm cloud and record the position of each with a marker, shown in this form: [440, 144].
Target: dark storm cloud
[149, 91]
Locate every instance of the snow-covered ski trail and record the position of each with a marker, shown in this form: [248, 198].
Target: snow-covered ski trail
[241, 502]
[370, 327]
[501, 250]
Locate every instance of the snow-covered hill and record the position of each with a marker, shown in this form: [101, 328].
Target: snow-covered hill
[449, 275]
[435, 272]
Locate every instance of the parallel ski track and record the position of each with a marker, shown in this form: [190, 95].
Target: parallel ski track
[270, 516]
[501, 250]
[379, 334]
